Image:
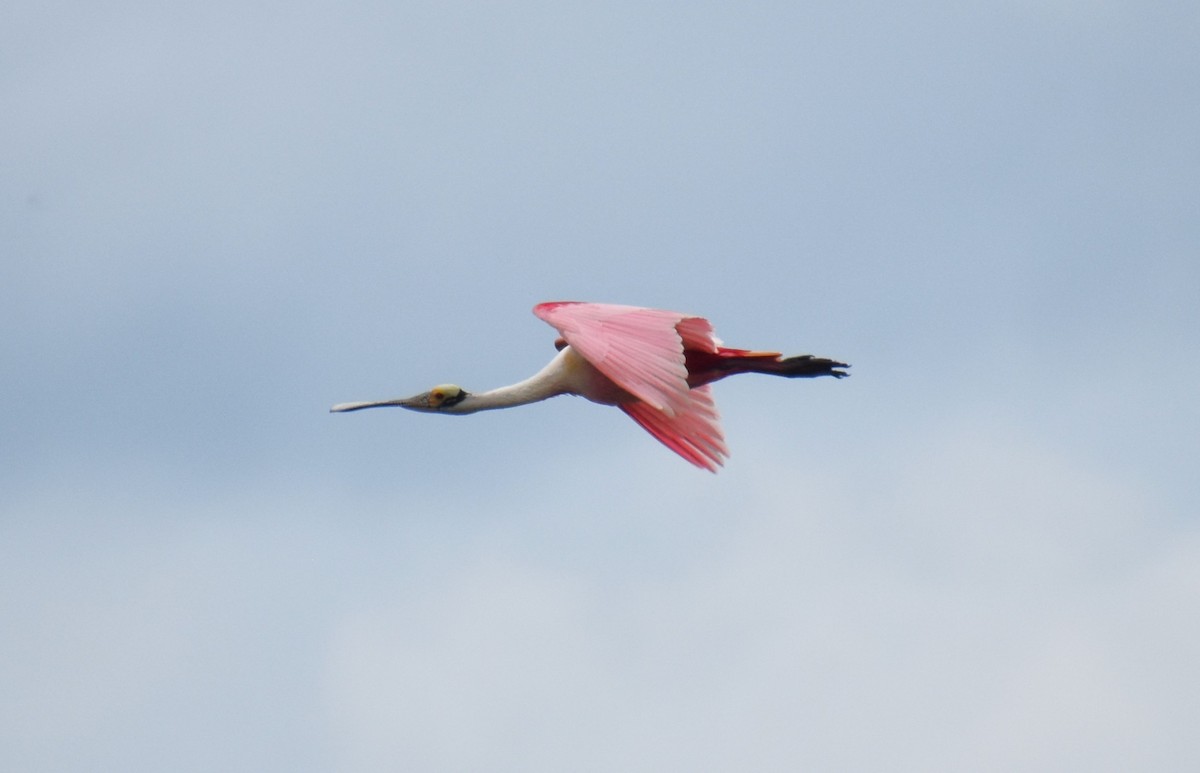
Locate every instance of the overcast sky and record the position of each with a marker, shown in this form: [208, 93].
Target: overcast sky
[982, 552]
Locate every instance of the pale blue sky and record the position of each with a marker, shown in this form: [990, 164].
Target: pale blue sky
[982, 552]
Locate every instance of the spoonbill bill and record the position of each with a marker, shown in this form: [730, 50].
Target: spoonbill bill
[654, 365]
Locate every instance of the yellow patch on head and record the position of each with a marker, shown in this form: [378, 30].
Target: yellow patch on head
[443, 392]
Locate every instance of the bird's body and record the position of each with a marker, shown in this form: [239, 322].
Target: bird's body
[655, 365]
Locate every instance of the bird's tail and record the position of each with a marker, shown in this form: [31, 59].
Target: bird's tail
[706, 367]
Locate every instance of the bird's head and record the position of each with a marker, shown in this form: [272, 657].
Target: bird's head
[443, 398]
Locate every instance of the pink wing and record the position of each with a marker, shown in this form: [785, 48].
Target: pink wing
[641, 350]
[694, 434]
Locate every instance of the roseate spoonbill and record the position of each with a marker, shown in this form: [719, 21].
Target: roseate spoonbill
[654, 365]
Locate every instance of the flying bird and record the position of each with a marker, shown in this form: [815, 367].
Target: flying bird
[654, 365]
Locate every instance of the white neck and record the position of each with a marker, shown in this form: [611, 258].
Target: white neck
[548, 382]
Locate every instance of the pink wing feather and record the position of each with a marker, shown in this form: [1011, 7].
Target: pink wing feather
[641, 350]
[694, 434]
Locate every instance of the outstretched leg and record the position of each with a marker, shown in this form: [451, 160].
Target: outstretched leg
[804, 366]
[706, 367]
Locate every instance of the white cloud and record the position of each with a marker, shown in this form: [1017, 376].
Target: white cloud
[989, 637]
